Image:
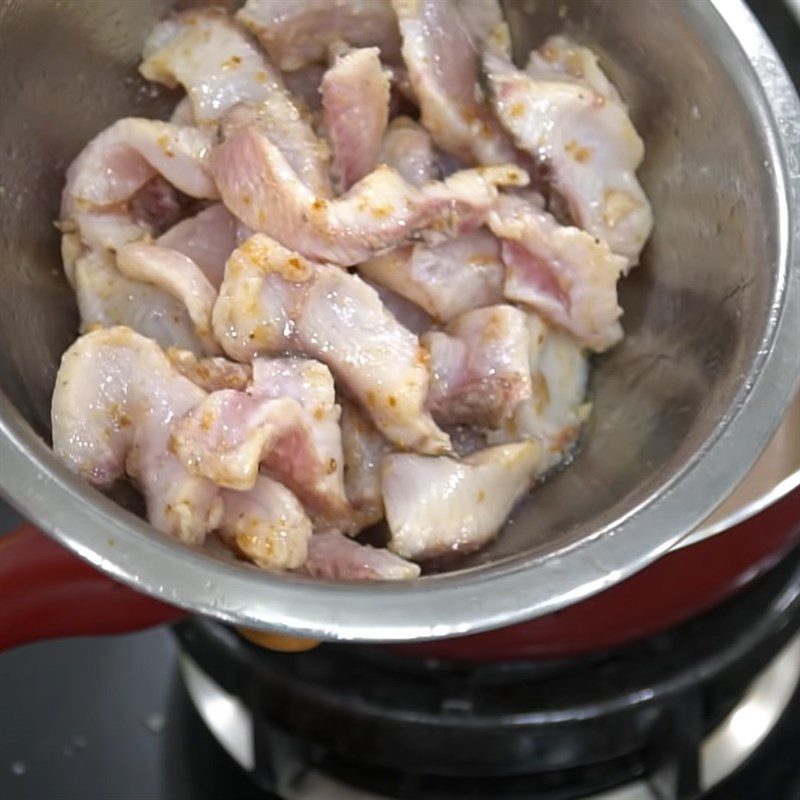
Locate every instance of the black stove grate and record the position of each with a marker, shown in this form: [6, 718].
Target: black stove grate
[554, 730]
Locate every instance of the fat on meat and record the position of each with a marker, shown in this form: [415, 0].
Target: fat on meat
[275, 301]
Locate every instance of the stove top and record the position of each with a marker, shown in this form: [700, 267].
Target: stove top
[671, 715]
[126, 718]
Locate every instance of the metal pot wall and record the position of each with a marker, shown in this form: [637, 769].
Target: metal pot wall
[682, 408]
[49, 593]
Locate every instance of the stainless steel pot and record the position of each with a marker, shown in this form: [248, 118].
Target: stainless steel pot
[682, 408]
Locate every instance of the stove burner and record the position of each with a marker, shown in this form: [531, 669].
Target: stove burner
[664, 718]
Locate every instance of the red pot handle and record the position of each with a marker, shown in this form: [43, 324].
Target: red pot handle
[48, 592]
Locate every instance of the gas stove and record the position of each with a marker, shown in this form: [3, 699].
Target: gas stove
[669, 717]
[708, 709]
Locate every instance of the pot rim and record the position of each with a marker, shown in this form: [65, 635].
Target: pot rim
[745, 512]
[124, 547]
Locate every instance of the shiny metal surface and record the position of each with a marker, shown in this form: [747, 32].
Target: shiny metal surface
[682, 408]
[721, 752]
[226, 716]
[772, 477]
[746, 727]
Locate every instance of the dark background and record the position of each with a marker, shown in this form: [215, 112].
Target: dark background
[107, 719]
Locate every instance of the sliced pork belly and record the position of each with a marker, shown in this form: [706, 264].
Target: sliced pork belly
[266, 524]
[177, 275]
[440, 505]
[115, 401]
[218, 65]
[486, 25]
[445, 279]
[221, 69]
[355, 102]
[207, 238]
[103, 181]
[107, 298]
[335, 557]
[261, 188]
[186, 263]
[119, 190]
[364, 449]
[443, 66]
[557, 408]
[210, 374]
[408, 148]
[304, 152]
[125, 156]
[480, 367]
[310, 384]
[561, 272]
[275, 301]
[299, 32]
[565, 113]
[228, 433]
[287, 423]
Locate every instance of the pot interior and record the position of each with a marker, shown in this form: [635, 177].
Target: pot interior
[696, 310]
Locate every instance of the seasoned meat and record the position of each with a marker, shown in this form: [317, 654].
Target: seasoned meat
[355, 102]
[335, 557]
[259, 185]
[445, 279]
[480, 367]
[299, 32]
[443, 66]
[116, 398]
[566, 114]
[266, 524]
[274, 301]
[440, 505]
[222, 69]
[561, 272]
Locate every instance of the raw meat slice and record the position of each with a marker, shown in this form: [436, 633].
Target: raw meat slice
[355, 102]
[275, 301]
[266, 524]
[445, 279]
[557, 409]
[223, 70]
[443, 65]
[299, 32]
[480, 367]
[564, 112]
[440, 505]
[561, 272]
[180, 277]
[107, 298]
[115, 401]
[260, 187]
[335, 557]
[286, 423]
